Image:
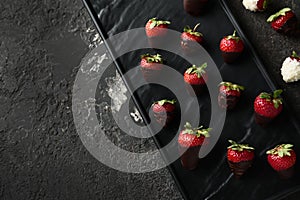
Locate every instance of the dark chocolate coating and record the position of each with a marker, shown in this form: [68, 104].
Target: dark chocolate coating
[291, 27]
[189, 47]
[262, 120]
[194, 7]
[227, 102]
[164, 118]
[195, 90]
[230, 57]
[239, 169]
[190, 157]
[286, 174]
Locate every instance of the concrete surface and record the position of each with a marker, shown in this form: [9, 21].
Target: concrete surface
[41, 45]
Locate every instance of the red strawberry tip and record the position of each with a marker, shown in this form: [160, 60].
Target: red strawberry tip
[199, 131]
[193, 31]
[152, 58]
[239, 147]
[199, 70]
[162, 102]
[156, 22]
[232, 86]
[282, 12]
[281, 150]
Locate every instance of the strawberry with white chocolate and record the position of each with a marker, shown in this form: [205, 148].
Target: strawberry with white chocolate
[255, 5]
[290, 69]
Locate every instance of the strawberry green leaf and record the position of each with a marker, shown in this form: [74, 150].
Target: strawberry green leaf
[239, 147]
[278, 14]
[155, 22]
[162, 102]
[199, 70]
[188, 29]
[295, 55]
[277, 93]
[265, 5]
[265, 95]
[152, 58]
[196, 131]
[232, 86]
[277, 103]
[281, 150]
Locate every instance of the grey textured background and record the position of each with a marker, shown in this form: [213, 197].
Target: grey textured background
[41, 45]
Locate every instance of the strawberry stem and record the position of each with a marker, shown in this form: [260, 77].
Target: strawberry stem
[234, 33]
[188, 29]
[195, 28]
[233, 36]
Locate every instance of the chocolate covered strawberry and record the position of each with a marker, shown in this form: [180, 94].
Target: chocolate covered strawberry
[151, 66]
[164, 111]
[229, 95]
[267, 106]
[156, 30]
[195, 78]
[290, 69]
[195, 7]
[240, 158]
[255, 5]
[190, 141]
[190, 38]
[231, 47]
[284, 21]
[282, 159]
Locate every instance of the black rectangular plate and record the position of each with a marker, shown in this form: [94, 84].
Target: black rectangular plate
[212, 179]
